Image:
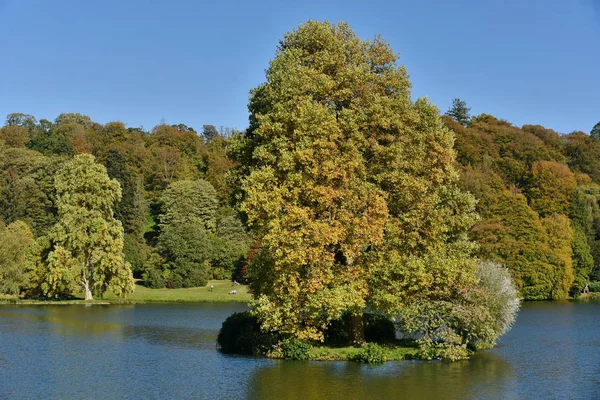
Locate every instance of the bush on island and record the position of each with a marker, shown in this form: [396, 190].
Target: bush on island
[294, 349]
[241, 334]
[370, 353]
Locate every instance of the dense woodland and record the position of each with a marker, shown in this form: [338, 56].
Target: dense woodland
[537, 193]
[179, 227]
[343, 192]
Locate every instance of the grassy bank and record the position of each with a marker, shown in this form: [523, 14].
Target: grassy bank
[402, 350]
[142, 294]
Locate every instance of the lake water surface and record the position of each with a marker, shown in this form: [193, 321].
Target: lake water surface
[168, 351]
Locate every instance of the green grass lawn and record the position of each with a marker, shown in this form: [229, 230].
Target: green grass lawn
[142, 294]
[220, 294]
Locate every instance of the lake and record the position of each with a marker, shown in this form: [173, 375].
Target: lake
[168, 351]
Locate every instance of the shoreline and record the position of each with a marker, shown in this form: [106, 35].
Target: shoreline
[143, 295]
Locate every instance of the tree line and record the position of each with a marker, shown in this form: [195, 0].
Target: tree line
[170, 193]
[538, 194]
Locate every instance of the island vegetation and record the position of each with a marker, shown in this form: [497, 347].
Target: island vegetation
[351, 211]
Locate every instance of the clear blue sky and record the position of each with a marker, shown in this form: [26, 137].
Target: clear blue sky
[193, 62]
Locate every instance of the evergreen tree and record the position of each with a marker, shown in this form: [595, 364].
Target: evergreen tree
[460, 112]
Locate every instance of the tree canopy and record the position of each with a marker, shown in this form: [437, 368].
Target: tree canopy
[85, 248]
[349, 185]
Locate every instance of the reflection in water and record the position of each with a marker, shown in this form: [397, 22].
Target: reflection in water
[411, 379]
[168, 351]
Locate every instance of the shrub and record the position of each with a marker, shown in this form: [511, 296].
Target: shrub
[370, 353]
[241, 334]
[432, 350]
[501, 299]
[294, 349]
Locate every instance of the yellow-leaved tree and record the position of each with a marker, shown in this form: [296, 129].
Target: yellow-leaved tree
[351, 190]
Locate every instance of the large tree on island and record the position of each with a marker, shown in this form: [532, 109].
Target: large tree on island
[84, 250]
[349, 186]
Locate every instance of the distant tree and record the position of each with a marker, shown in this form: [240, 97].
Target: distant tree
[14, 243]
[20, 119]
[231, 247]
[190, 202]
[217, 166]
[74, 118]
[131, 209]
[14, 136]
[26, 188]
[595, 132]
[57, 139]
[187, 250]
[583, 262]
[583, 154]
[184, 128]
[85, 248]
[187, 239]
[209, 132]
[459, 111]
[551, 187]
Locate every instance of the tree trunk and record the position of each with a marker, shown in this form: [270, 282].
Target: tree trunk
[88, 291]
[356, 329]
[89, 279]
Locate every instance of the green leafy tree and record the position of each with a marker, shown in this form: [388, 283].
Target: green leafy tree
[187, 240]
[19, 119]
[85, 248]
[595, 132]
[190, 202]
[188, 250]
[27, 189]
[15, 240]
[459, 111]
[74, 118]
[583, 154]
[349, 185]
[131, 210]
[231, 246]
[56, 140]
[209, 132]
[583, 262]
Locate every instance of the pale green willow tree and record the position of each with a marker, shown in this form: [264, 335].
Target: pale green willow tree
[84, 250]
[350, 187]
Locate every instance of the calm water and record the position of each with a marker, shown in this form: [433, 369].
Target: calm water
[168, 351]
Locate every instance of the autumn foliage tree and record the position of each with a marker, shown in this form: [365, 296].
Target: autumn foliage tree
[349, 185]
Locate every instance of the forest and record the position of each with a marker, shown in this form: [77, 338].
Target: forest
[342, 192]
[537, 196]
